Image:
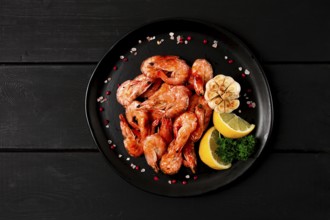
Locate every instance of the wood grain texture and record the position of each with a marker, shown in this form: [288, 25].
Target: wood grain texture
[42, 107]
[82, 186]
[80, 30]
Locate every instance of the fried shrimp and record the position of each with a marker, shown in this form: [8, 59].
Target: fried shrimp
[138, 119]
[166, 112]
[203, 112]
[171, 69]
[131, 89]
[189, 156]
[183, 126]
[131, 140]
[168, 101]
[201, 72]
[154, 147]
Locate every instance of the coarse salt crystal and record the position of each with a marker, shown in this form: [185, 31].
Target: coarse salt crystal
[143, 170]
[247, 72]
[171, 34]
[103, 100]
[120, 155]
[140, 41]
[99, 98]
[240, 68]
[226, 57]
[121, 57]
[187, 176]
[128, 158]
[215, 44]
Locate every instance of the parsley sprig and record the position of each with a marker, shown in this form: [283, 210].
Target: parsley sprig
[235, 149]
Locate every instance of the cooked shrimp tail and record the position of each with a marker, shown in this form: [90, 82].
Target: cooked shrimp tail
[131, 141]
[171, 162]
[166, 129]
[138, 118]
[189, 156]
[183, 126]
[154, 147]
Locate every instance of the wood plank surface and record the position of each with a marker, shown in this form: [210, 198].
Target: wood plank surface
[82, 186]
[82, 31]
[42, 107]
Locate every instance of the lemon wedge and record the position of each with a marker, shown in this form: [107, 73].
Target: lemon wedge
[207, 147]
[230, 125]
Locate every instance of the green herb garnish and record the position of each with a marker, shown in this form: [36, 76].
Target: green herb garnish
[235, 149]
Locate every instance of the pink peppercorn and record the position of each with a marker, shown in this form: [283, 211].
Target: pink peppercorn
[184, 182]
[115, 68]
[204, 41]
[108, 92]
[173, 181]
[230, 61]
[195, 177]
[101, 109]
[243, 75]
[156, 178]
[106, 122]
[125, 59]
[137, 167]
[189, 38]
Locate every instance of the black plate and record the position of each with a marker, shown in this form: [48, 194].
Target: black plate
[227, 54]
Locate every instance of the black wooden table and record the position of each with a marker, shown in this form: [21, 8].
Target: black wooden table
[50, 167]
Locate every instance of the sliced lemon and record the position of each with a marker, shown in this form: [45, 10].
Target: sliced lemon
[231, 126]
[207, 147]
